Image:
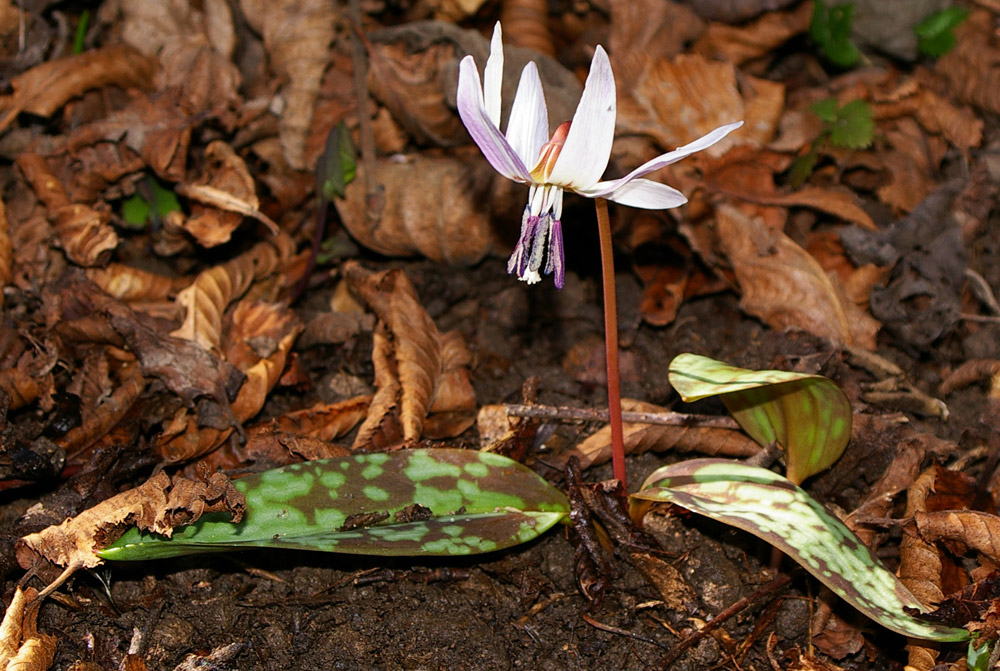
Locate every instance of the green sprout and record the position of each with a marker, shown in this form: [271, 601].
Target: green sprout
[830, 29]
[936, 33]
[848, 126]
[149, 204]
[807, 415]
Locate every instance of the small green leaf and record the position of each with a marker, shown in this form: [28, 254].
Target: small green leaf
[854, 127]
[777, 511]
[408, 502]
[978, 658]
[81, 31]
[826, 109]
[936, 33]
[151, 201]
[808, 415]
[336, 167]
[830, 29]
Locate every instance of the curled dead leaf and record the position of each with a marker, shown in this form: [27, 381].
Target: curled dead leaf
[273, 328]
[22, 647]
[970, 66]
[297, 37]
[207, 298]
[435, 207]
[755, 39]
[158, 505]
[977, 530]
[416, 367]
[132, 284]
[46, 87]
[783, 285]
[84, 232]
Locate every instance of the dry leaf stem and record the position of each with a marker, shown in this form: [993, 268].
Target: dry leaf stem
[598, 415]
[359, 61]
[611, 341]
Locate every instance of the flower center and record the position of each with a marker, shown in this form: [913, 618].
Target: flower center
[549, 153]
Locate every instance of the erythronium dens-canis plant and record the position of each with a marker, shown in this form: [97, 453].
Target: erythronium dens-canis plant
[573, 159]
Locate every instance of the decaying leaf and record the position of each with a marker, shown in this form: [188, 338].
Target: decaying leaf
[6, 249]
[969, 67]
[207, 298]
[978, 530]
[271, 326]
[297, 36]
[46, 87]
[158, 505]
[757, 38]
[436, 207]
[226, 186]
[416, 367]
[132, 284]
[639, 438]
[84, 231]
[22, 647]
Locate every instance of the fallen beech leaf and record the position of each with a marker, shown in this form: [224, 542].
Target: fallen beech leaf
[132, 284]
[595, 449]
[207, 298]
[741, 43]
[969, 66]
[437, 207]
[195, 45]
[22, 648]
[251, 321]
[416, 367]
[980, 531]
[325, 421]
[784, 286]
[227, 186]
[297, 36]
[734, 11]
[46, 87]
[645, 31]
[84, 232]
[158, 505]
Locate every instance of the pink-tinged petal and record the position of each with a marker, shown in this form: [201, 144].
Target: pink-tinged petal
[664, 160]
[472, 110]
[528, 126]
[642, 193]
[585, 154]
[493, 77]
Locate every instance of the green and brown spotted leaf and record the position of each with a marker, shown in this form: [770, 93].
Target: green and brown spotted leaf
[808, 415]
[409, 502]
[776, 510]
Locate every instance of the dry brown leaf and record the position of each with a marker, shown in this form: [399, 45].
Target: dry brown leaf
[46, 87]
[646, 31]
[158, 505]
[677, 100]
[958, 125]
[259, 341]
[132, 284]
[741, 43]
[527, 24]
[437, 207]
[227, 186]
[325, 421]
[414, 362]
[22, 648]
[105, 411]
[194, 43]
[734, 11]
[911, 167]
[6, 250]
[84, 232]
[20, 383]
[784, 286]
[979, 531]
[970, 67]
[297, 36]
[207, 298]
[639, 438]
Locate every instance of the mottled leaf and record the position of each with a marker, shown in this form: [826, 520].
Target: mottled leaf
[777, 511]
[408, 502]
[808, 415]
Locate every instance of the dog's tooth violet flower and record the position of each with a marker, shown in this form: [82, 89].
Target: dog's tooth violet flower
[574, 159]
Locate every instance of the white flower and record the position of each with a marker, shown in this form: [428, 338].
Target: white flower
[574, 159]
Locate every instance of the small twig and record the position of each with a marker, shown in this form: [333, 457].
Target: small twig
[600, 415]
[359, 61]
[714, 623]
[621, 632]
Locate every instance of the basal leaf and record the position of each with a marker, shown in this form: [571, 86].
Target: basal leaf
[808, 415]
[336, 167]
[854, 127]
[776, 510]
[408, 502]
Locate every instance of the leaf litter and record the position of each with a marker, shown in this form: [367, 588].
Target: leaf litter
[809, 239]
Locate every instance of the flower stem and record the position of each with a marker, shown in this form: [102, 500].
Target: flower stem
[611, 340]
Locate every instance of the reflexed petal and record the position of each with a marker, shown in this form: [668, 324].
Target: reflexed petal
[484, 132]
[585, 154]
[528, 126]
[493, 77]
[641, 193]
[664, 160]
